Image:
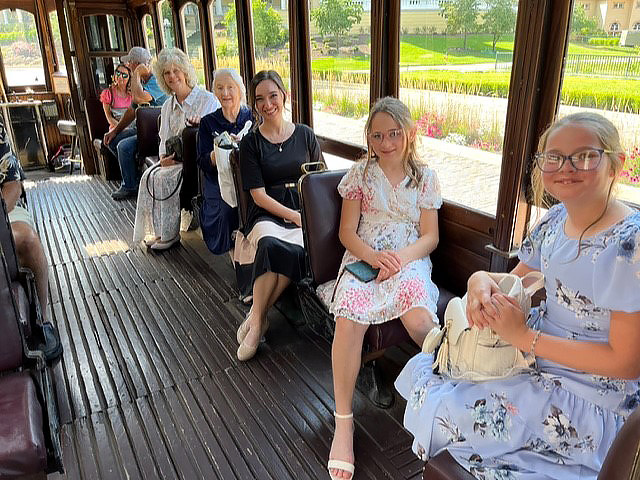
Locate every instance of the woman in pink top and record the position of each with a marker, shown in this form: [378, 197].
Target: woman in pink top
[117, 98]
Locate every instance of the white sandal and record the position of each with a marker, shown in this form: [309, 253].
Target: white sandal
[341, 464]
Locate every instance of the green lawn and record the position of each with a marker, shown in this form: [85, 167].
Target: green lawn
[446, 50]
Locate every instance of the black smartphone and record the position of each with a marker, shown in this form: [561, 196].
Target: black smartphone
[362, 271]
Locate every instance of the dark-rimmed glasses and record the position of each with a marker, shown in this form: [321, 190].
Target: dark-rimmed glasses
[378, 137]
[584, 160]
[124, 75]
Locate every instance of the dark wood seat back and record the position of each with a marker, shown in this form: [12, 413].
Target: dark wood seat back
[189, 187]
[147, 131]
[321, 205]
[241, 194]
[623, 459]
[8, 244]
[96, 120]
[10, 340]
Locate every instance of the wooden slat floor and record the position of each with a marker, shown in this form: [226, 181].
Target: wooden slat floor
[149, 386]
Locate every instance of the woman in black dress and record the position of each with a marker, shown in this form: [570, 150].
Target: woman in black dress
[269, 253]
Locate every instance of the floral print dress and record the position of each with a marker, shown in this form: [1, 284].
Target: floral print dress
[389, 220]
[552, 422]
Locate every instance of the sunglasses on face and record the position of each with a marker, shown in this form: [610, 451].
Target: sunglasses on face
[124, 75]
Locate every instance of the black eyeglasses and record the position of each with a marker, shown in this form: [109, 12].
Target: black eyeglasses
[124, 75]
[585, 160]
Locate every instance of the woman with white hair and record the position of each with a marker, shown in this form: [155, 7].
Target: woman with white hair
[158, 208]
[217, 219]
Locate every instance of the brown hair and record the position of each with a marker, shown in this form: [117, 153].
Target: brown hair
[126, 67]
[400, 114]
[609, 139]
[255, 81]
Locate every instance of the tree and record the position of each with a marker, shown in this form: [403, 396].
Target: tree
[500, 18]
[461, 16]
[336, 17]
[581, 23]
[268, 27]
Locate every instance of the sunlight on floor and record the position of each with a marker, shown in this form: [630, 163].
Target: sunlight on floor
[106, 247]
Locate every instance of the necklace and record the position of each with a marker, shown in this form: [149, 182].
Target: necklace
[280, 146]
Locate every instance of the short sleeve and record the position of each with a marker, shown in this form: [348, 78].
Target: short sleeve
[429, 196]
[530, 249]
[105, 96]
[617, 269]
[350, 187]
[250, 162]
[10, 169]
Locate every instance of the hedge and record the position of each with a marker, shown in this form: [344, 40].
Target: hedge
[606, 41]
[613, 94]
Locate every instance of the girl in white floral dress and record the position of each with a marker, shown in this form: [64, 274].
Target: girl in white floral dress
[558, 420]
[389, 219]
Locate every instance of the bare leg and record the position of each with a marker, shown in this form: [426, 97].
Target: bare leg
[418, 322]
[346, 352]
[31, 255]
[267, 288]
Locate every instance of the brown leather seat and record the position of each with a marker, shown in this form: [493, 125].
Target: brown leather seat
[321, 206]
[96, 121]
[147, 127]
[623, 458]
[22, 445]
[189, 187]
[22, 442]
[29, 430]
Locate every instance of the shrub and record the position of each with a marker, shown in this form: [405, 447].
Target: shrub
[604, 41]
[631, 172]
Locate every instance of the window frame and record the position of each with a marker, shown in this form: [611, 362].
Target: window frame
[44, 38]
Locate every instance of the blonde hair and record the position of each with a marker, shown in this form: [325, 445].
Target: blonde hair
[607, 136]
[174, 56]
[609, 139]
[400, 114]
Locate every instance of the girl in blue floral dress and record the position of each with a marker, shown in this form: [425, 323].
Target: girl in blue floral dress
[558, 420]
[389, 219]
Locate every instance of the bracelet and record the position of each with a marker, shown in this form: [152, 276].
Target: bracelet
[532, 349]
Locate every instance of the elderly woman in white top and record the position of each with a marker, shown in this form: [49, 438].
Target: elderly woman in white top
[158, 208]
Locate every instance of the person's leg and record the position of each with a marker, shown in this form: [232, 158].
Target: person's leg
[127, 149]
[113, 144]
[266, 290]
[346, 352]
[282, 282]
[31, 255]
[418, 322]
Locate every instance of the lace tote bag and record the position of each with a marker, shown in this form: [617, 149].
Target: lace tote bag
[477, 355]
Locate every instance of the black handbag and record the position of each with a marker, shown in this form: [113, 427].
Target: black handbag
[173, 146]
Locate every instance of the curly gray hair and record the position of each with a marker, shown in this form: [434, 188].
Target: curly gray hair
[174, 56]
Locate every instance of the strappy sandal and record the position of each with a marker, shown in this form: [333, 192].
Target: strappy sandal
[341, 464]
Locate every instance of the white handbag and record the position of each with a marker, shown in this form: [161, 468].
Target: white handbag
[478, 355]
[223, 165]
